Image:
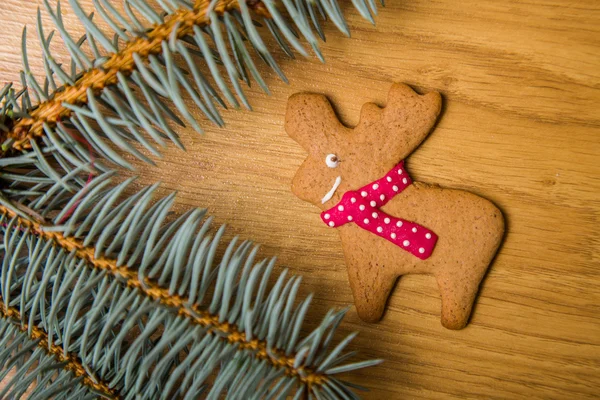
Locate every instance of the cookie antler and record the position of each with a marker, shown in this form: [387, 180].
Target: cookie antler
[310, 120]
[403, 123]
[406, 119]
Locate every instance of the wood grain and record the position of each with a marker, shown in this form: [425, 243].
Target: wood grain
[520, 126]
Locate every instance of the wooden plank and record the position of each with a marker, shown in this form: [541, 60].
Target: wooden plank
[521, 126]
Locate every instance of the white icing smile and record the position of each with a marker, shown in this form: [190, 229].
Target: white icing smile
[331, 192]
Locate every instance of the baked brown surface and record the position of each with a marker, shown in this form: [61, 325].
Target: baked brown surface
[469, 227]
[520, 126]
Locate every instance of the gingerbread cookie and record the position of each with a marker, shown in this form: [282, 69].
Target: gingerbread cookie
[389, 225]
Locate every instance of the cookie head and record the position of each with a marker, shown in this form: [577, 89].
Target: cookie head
[321, 179]
[340, 158]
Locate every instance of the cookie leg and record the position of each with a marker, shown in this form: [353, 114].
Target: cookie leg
[370, 288]
[458, 290]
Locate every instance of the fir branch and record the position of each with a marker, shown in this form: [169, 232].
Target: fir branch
[89, 241]
[108, 89]
[149, 288]
[69, 362]
[53, 110]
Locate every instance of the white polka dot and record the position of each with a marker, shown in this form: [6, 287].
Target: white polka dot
[421, 250]
[349, 217]
[414, 230]
[363, 193]
[331, 224]
[406, 243]
[373, 204]
[389, 179]
[366, 221]
[375, 186]
[393, 235]
[374, 215]
[379, 229]
[395, 188]
[326, 216]
[382, 197]
[405, 181]
[353, 199]
[387, 220]
[361, 207]
[399, 171]
[399, 224]
[341, 208]
[428, 236]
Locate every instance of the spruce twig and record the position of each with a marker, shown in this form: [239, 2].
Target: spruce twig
[115, 264]
[51, 111]
[144, 68]
[149, 288]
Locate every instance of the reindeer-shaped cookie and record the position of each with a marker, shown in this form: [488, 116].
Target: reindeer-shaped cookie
[389, 225]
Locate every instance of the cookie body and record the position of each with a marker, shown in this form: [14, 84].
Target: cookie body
[469, 228]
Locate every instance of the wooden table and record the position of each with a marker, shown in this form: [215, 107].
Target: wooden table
[520, 126]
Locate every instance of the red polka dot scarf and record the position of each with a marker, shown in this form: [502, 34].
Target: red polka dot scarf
[362, 207]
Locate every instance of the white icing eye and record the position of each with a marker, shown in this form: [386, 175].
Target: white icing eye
[332, 161]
